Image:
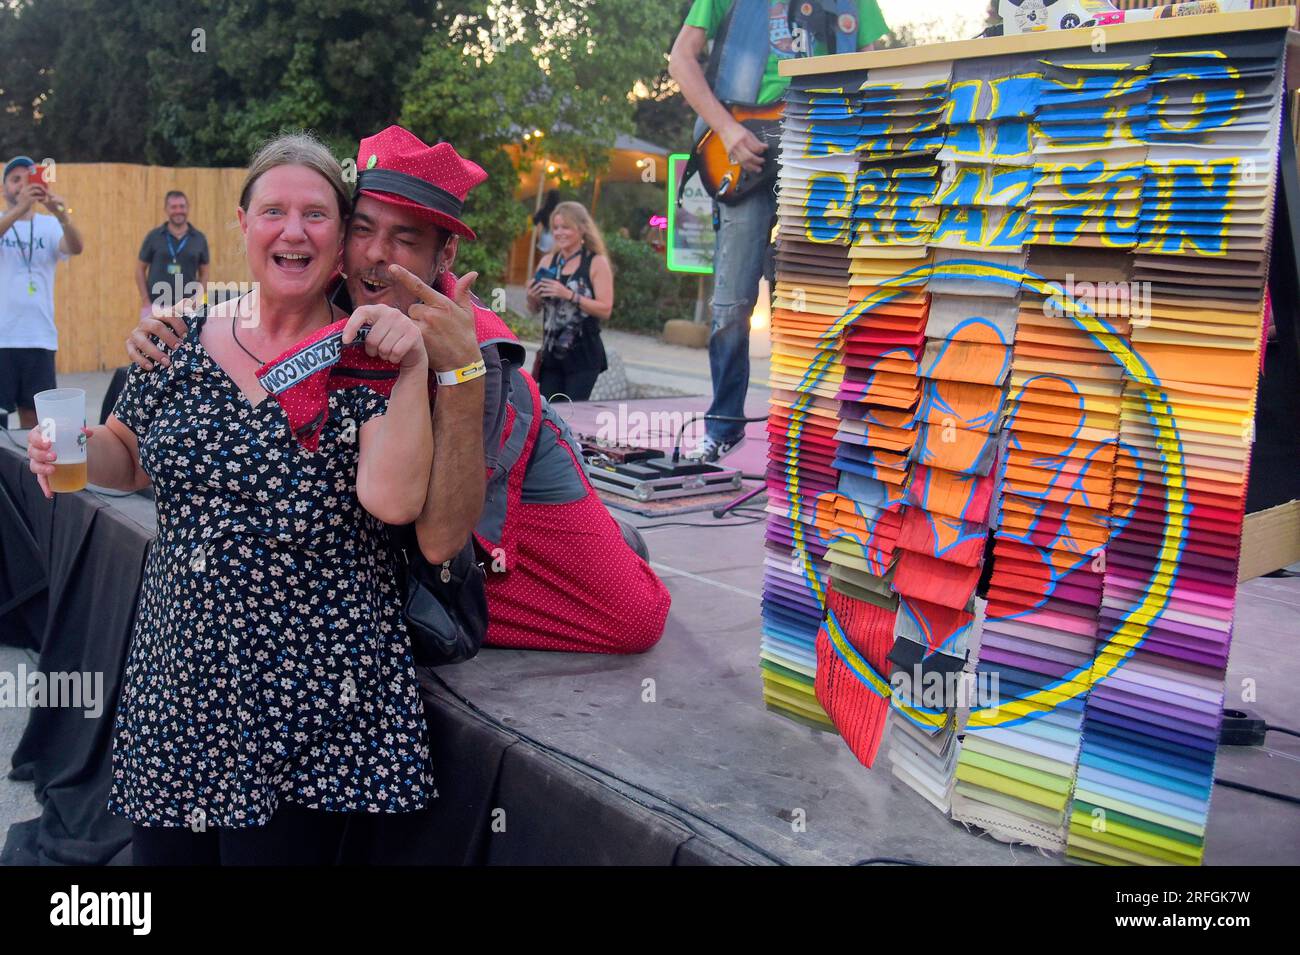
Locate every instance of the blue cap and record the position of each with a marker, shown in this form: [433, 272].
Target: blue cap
[17, 161]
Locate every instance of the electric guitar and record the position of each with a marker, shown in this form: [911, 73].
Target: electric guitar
[728, 181]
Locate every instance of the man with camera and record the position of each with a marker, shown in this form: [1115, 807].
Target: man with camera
[31, 244]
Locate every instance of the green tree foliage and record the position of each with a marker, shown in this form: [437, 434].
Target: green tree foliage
[336, 67]
[202, 82]
[645, 294]
[25, 43]
[67, 89]
[664, 117]
[562, 66]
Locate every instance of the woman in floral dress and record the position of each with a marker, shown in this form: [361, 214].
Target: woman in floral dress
[269, 691]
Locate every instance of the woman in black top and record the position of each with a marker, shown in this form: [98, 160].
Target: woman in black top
[574, 288]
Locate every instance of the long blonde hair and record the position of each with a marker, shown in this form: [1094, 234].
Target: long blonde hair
[578, 216]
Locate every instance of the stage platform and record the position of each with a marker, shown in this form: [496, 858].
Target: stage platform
[669, 756]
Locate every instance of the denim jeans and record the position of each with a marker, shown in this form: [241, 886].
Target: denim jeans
[742, 255]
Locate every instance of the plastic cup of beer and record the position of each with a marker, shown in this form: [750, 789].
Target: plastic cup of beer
[61, 414]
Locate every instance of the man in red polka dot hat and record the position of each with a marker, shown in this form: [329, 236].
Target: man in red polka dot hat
[563, 574]
[402, 239]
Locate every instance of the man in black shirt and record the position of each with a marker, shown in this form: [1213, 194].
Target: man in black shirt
[173, 258]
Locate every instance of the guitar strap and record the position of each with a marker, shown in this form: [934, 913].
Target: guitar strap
[833, 22]
[845, 34]
[736, 64]
[743, 43]
[739, 55]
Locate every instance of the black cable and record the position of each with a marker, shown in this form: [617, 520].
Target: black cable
[756, 515]
[888, 860]
[597, 772]
[1280, 729]
[745, 523]
[1232, 784]
[753, 516]
[695, 416]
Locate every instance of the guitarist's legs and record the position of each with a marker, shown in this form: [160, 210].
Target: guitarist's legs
[741, 256]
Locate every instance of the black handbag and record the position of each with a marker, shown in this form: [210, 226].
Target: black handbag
[444, 605]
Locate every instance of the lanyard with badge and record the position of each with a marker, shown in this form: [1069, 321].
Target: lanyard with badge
[31, 249]
[174, 267]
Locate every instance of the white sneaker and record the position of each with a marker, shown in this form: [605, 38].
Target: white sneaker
[709, 450]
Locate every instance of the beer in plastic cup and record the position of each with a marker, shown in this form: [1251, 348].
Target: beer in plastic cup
[61, 414]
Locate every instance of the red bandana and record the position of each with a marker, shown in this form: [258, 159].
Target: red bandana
[304, 375]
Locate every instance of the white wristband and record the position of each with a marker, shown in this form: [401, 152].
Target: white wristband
[459, 376]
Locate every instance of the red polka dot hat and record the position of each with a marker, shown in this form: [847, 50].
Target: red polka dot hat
[395, 166]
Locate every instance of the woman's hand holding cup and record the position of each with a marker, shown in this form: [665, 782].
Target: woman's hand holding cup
[41, 456]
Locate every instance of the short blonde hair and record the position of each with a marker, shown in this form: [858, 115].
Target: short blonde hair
[297, 149]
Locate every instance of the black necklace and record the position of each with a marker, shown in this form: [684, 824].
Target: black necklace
[234, 316]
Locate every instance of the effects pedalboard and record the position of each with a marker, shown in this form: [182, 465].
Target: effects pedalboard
[645, 474]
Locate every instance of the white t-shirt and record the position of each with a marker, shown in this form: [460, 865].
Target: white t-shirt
[27, 317]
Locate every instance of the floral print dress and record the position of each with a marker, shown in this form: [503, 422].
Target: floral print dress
[269, 660]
